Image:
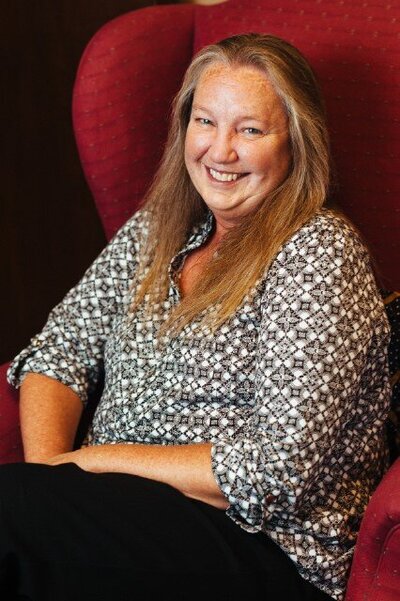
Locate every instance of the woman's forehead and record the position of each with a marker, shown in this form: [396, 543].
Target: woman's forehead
[235, 74]
[240, 83]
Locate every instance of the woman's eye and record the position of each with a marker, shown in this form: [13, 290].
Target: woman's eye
[203, 121]
[252, 131]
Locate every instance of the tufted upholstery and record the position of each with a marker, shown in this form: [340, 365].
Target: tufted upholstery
[124, 86]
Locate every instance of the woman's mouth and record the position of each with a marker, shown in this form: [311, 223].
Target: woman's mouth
[224, 176]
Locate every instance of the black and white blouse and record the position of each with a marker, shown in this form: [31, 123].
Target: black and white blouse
[292, 391]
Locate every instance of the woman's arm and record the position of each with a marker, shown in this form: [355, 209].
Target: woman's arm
[322, 389]
[50, 413]
[70, 348]
[185, 467]
[64, 362]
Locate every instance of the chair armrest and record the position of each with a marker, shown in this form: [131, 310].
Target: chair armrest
[375, 572]
[10, 434]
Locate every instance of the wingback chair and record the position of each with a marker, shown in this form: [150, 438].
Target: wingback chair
[128, 75]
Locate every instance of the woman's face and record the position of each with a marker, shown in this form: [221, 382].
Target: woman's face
[237, 147]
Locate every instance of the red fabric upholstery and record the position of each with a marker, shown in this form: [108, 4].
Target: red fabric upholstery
[123, 91]
[131, 70]
[127, 78]
[376, 565]
[10, 435]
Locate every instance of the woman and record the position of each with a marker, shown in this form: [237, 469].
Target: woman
[244, 347]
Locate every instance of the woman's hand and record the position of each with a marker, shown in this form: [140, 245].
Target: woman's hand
[98, 458]
[84, 458]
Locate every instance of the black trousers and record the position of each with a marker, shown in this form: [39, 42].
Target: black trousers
[70, 535]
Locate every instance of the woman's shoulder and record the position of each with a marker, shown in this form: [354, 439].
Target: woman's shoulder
[327, 260]
[326, 248]
[131, 236]
[327, 233]
[329, 221]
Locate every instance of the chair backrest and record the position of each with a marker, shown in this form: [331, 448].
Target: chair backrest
[133, 66]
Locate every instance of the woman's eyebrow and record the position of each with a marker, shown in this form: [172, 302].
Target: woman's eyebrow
[251, 118]
[197, 107]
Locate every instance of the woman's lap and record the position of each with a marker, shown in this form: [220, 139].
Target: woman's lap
[67, 535]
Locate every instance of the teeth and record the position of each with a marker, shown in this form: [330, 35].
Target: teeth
[224, 177]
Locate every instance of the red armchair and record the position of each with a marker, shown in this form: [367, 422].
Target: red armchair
[126, 80]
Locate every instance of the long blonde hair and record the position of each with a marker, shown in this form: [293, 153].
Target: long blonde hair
[175, 206]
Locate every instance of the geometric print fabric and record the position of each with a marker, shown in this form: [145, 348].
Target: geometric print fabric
[292, 392]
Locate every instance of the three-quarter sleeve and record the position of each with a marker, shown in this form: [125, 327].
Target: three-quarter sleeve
[321, 378]
[70, 346]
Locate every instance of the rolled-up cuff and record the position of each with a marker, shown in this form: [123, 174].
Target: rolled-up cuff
[37, 358]
[244, 507]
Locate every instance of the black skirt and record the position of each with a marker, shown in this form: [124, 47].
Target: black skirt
[71, 535]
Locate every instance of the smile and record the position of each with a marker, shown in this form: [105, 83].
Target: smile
[222, 176]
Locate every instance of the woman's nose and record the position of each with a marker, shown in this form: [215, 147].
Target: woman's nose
[222, 149]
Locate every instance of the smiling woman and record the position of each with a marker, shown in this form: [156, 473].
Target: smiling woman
[237, 147]
[283, 163]
[243, 342]
[237, 151]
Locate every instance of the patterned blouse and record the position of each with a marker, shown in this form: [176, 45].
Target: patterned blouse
[292, 391]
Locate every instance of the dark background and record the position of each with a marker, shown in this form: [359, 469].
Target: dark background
[49, 228]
